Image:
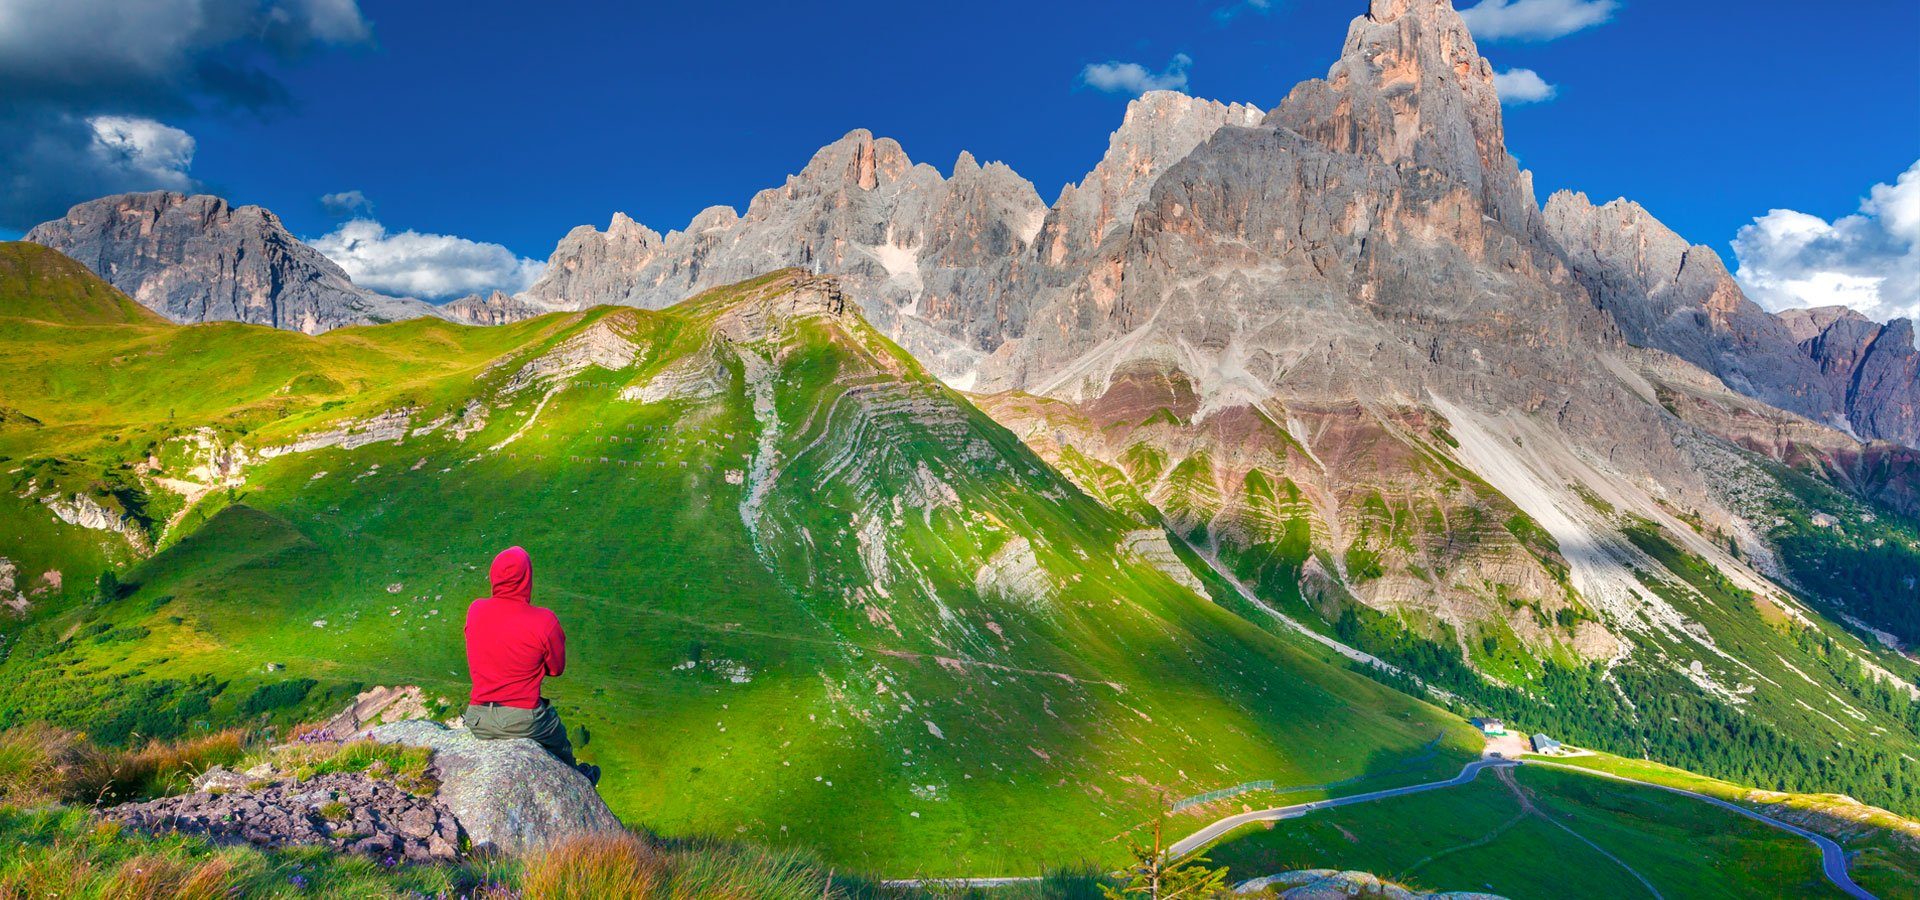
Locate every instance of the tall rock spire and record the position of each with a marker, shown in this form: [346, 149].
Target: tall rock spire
[1411, 88]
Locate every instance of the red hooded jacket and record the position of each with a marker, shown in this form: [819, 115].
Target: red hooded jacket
[512, 645]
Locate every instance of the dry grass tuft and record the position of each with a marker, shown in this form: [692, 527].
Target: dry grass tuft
[159, 767]
[33, 762]
[42, 764]
[147, 877]
[590, 867]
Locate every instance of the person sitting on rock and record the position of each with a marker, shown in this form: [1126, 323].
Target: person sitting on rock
[512, 646]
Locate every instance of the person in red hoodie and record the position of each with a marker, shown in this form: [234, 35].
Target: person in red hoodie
[512, 646]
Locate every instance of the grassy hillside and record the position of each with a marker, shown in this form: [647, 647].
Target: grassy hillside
[814, 597]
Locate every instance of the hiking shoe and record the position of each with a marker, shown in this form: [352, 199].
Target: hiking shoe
[591, 771]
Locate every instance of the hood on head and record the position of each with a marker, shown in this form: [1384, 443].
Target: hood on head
[513, 575]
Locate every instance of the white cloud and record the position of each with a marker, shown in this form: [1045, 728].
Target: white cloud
[431, 266]
[146, 150]
[1117, 77]
[346, 203]
[87, 84]
[1869, 261]
[1226, 14]
[1519, 87]
[1535, 20]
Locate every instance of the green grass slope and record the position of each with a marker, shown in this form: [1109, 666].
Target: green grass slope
[814, 598]
[42, 283]
[1544, 833]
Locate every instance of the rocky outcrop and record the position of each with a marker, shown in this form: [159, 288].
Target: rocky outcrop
[372, 708]
[11, 597]
[349, 812]
[1332, 884]
[510, 795]
[199, 259]
[497, 308]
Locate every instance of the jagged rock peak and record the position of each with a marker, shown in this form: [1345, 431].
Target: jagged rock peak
[1625, 231]
[1809, 323]
[589, 267]
[625, 228]
[498, 308]
[857, 158]
[198, 258]
[1160, 129]
[1411, 88]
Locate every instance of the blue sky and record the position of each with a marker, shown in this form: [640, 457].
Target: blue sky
[508, 123]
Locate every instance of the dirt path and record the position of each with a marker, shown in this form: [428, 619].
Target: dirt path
[1528, 809]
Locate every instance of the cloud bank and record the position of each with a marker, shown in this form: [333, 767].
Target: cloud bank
[1115, 77]
[1869, 261]
[90, 85]
[1535, 20]
[429, 266]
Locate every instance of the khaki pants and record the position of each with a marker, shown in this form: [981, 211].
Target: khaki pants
[541, 724]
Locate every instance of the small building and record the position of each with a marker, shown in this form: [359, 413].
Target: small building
[1544, 744]
[1489, 727]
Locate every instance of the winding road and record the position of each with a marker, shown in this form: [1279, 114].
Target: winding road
[1213, 832]
[1833, 858]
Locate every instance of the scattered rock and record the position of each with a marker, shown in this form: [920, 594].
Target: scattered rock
[348, 812]
[509, 795]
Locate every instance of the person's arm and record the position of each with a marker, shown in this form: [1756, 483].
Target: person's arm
[556, 649]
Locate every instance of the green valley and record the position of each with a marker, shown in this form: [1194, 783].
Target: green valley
[815, 598]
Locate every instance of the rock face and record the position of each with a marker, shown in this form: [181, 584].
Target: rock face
[509, 795]
[593, 267]
[344, 811]
[1160, 129]
[1832, 365]
[1668, 295]
[199, 259]
[1877, 365]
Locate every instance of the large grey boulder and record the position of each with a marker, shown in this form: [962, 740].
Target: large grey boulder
[511, 796]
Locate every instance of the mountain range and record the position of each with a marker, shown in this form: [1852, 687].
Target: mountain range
[989, 487]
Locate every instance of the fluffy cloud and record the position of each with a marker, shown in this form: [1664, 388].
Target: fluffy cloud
[143, 149]
[1519, 87]
[1115, 77]
[1535, 20]
[346, 203]
[90, 84]
[1869, 261]
[430, 266]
